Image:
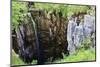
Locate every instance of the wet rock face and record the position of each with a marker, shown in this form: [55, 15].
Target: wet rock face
[14, 41]
[52, 36]
[52, 39]
[23, 43]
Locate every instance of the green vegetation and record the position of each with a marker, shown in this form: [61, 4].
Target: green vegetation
[17, 61]
[66, 10]
[18, 11]
[81, 55]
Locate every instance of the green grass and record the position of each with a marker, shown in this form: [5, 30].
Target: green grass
[17, 61]
[81, 55]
